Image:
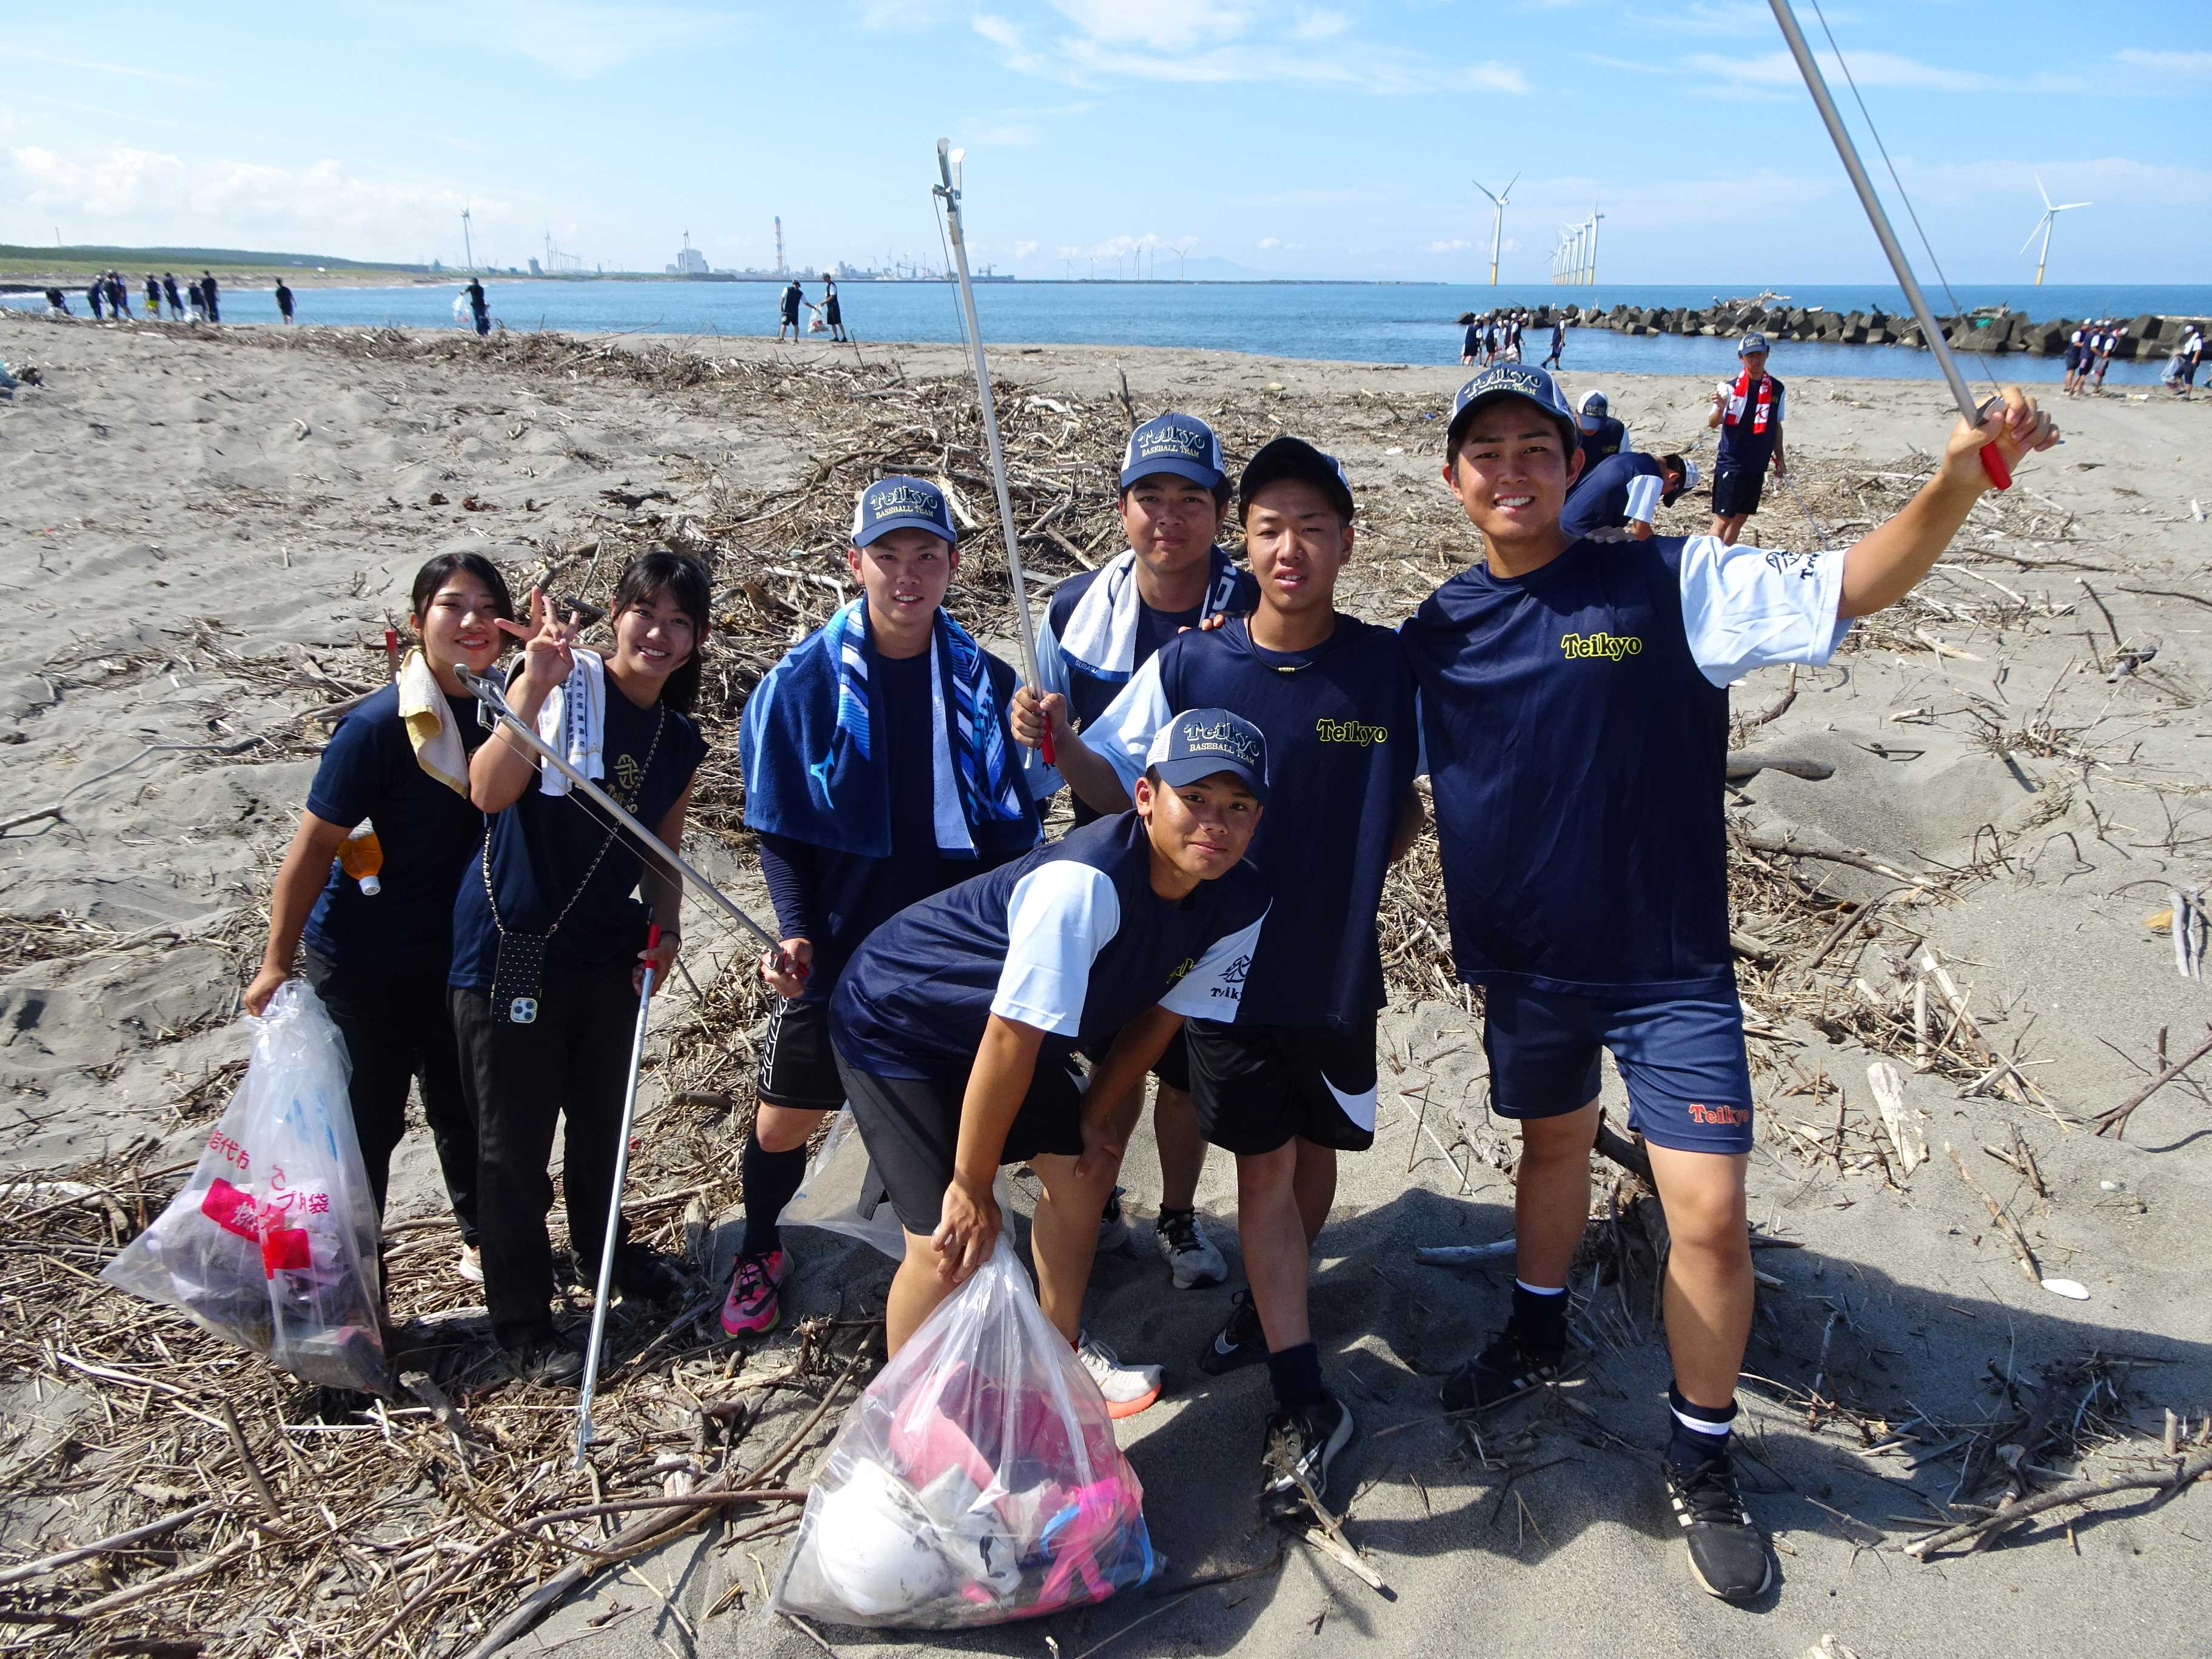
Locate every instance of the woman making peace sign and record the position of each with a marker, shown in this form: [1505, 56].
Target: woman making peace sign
[549, 942]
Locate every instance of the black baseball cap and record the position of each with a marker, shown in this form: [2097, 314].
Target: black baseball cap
[1294, 458]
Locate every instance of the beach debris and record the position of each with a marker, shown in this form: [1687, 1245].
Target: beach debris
[1905, 1135]
[1452, 1255]
[1829, 1648]
[2116, 1120]
[2029, 1267]
[2167, 1483]
[2072, 1289]
[2186, 918]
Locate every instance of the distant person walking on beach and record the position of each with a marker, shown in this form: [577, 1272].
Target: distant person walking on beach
[118, 294]
[57, 303]
[2077, 355]
[199, 303]
[283, 300]
[153, 297]
[2106, 347]
[1749, 417]
[94, 295]
[793, 297]
[1558, 340]
[832, 312]
[479, 307]
[1470, 343]
[176, 299]
[207, 294]
[2186, 361]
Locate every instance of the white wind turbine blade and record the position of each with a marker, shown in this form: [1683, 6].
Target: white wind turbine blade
[2040, 224]
[2063, 206]
[2039, 190]
[1485, 189]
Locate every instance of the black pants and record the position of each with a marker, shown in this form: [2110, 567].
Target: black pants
[573, 1064]
[398, 1031]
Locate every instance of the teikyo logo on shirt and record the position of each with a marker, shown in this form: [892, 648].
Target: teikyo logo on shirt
[628, 775]
[1611, 646]
[1806, 565]
[1356, 731]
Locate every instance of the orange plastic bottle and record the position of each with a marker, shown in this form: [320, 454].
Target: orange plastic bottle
[361, 856]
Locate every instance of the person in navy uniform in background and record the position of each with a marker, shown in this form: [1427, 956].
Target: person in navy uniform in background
[1749, 415]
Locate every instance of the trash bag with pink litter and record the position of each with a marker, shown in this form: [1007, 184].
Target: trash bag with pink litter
[272, 1243]
[977, 1480]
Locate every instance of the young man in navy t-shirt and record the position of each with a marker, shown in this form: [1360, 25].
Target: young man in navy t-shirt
[1575, 712]
[1748, 412]
[956, 1023]
[1597, 434]
[1101, 627]
[879, 770]
[1291, 1081]
[1615, 499]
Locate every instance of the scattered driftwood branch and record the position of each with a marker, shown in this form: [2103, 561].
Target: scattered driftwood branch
[2074, 1492]
[60, 1558]
[1761, 841]
[2029, 1267]
[1452, 1255]
[2116, 1120]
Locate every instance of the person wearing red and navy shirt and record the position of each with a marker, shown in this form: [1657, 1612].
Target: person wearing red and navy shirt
[1748, 412]
[1574, 713]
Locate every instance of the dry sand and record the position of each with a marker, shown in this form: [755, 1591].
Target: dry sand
[204, 536]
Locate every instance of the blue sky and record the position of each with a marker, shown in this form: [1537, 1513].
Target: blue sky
[1337, 138]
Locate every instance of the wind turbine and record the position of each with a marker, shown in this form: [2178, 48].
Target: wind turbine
[2050, 211]
[1497, 225]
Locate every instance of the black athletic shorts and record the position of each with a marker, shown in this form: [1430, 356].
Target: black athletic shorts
[1172, 1068]
[911, 1128]
[797, 1068]
[1736, 491]
[1256, 1086]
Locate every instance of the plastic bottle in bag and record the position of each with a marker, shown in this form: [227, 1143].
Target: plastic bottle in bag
[273, 1244]
[977, 1480]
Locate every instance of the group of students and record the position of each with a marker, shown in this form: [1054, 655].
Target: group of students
[2089, 353]
[1495, 337]
[1243, 756]
[109, 295]
[828, 315]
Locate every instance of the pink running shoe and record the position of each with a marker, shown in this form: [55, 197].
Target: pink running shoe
[754, 1304]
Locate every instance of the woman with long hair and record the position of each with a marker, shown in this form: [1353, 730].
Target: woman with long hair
[549, 939]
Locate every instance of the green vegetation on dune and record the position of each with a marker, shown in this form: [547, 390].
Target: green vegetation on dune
[123, 258]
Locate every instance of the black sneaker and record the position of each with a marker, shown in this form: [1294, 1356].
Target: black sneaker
[1728, 1554]
[650, 1276]
[1239, 1343]
[1303, 1443]
[1505, 1371]
[551, 1361]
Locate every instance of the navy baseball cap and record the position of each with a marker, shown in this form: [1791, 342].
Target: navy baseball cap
[899, 502]
[1201, 742]
[1180, 444]
[1593, 404]
[1753, 342]
[1294, 458]
[1511, 380]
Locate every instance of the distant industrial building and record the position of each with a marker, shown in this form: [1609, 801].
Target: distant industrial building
[689, 262]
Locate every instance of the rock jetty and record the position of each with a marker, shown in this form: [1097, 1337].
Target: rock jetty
[1992, 332]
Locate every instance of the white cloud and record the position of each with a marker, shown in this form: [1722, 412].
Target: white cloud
[2181, 65]
[1777, 71]
[1451, 246]
[1269, 242]
[1216, 42]
[55, 60]
[1023, 250]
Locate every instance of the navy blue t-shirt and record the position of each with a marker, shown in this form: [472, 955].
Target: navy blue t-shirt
[1742, 450]
[1602, 498]
[1342, 750]
[1088, 694]
[836, 899]
[1577, 755]
[1608, 440]
[429, 834]
[541, 848]
[1069, 938]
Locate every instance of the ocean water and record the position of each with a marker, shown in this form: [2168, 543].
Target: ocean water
[1357, 322]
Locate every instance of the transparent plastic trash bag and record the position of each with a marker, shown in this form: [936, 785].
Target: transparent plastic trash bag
[977, 1480]
[840, 1194]
[272, 1244]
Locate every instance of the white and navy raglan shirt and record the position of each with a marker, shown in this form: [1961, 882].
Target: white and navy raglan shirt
[1576, 726]
[1069, 939]
[1342, 750]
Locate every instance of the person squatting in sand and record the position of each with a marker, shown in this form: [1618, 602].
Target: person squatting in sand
[376, 950]
[878, 771]
[1749, 415]
[1284, 1077]
[550, 944]
[1575, 714]
[1617, 499]
[1102, 627]
[956, 1025]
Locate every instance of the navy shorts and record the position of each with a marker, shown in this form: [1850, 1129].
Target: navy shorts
[1682, 1058]
[1254, 1087]
[1736, 491]
[2073, 357]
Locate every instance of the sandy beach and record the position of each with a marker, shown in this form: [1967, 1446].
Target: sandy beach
[209, 530]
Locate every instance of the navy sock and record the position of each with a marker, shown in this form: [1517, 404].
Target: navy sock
[1540, 1318]
[1701, 1433]
[770, 1180]
[1296, 1373]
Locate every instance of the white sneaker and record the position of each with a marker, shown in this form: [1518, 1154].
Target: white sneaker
[1113, 1225]
[1189, 1254]
[1129, 1389]
[469, 1268]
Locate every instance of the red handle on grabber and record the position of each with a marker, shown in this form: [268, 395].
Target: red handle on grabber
[1994, 465]
[1045, 748]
